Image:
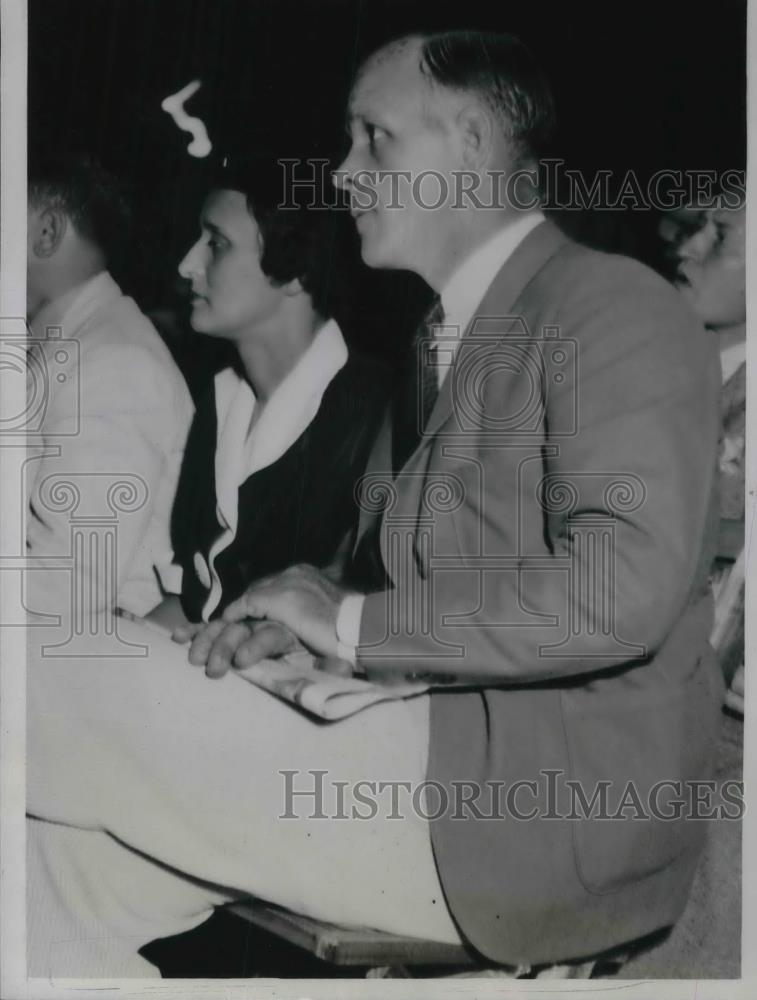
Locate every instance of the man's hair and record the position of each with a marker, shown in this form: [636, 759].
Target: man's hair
[503, 73]
[92, 198]
[297, 241]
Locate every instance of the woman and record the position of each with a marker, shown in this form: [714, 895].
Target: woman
[278, 445]
[708, 251]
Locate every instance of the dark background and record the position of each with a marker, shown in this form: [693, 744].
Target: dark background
[646, 85]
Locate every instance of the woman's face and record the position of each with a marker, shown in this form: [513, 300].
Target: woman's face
[708, 249]
[231, 295]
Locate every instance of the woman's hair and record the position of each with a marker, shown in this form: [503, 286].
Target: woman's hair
[302, 236]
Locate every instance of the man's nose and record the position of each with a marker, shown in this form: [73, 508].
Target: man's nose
[342, 175]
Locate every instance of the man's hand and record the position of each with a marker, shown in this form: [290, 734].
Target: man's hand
[302, 598]
[335, 666]
[220, 645]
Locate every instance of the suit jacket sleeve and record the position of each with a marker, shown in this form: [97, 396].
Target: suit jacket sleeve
[644, 390]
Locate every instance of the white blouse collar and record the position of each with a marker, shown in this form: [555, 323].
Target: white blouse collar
[247, 442]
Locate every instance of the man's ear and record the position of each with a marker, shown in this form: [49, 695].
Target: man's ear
[49, 229]
[476, 128]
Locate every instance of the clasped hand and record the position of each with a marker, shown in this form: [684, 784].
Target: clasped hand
[291, 610]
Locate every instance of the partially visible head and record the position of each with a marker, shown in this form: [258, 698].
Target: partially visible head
[708, 250]
[78, 221]
[425, 110]
[253, 256]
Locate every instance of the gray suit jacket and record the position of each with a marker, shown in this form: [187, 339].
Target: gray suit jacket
[549, 542]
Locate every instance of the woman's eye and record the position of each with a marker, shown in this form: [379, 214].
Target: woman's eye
[374, 133]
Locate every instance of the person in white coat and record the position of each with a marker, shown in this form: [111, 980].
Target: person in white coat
[108, 409]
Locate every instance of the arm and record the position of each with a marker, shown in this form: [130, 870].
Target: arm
[646, 391]
[646, 387]
[169, 614]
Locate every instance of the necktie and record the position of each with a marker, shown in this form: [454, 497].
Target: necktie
[417, 389]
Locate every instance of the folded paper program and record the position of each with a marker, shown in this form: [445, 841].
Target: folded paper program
[295, 679]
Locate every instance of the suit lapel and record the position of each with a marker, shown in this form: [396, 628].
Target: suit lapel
[377, 482]
[519, 269]
[493, 317]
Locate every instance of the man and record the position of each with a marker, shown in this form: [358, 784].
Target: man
[583, 380]
[707, 250]
[113, 408]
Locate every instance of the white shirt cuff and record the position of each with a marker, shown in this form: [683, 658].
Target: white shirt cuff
[348, 627]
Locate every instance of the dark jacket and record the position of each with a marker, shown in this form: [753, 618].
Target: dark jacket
[297, 510]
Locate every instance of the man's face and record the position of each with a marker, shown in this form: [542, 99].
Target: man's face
[708, 249]
[231, 294]
[396, 123]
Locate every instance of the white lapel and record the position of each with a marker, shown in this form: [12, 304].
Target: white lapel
[235, 406]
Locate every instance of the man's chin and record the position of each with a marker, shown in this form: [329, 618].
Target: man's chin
[374, 262]
[376, 256]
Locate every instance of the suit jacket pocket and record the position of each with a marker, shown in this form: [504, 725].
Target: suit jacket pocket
[635, 769]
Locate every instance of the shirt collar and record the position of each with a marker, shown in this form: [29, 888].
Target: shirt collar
[466, 287]
[296, 400]
[71, 310]
[732, 358]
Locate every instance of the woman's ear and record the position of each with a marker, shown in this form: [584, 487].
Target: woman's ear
[293, 287]
[49, 228]
[476, 129]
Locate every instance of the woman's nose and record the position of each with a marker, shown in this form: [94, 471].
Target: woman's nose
[696, 245]
[190, 265]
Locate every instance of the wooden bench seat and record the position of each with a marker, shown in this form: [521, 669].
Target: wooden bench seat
[348, 945]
